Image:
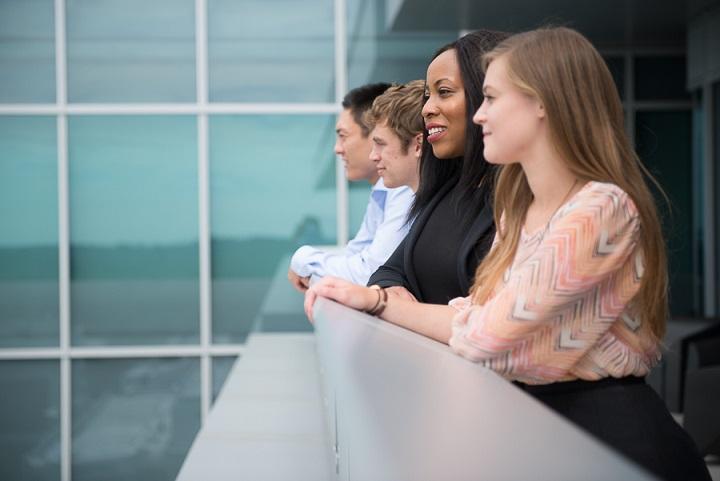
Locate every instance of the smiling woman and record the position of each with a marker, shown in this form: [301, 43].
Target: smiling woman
[453, 227]
[444, 112]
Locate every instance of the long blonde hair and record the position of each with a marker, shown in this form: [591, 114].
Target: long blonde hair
[563, 70]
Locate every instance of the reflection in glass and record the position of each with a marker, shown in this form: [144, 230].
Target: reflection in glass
[660, 78]
[134, 230]
[28, 232]
[27, 51]
[131, 51]
[377, 55]
[273, 189]
[133, 419]
[664, 143]
[30, 420]
[283, 52]
[221, 366]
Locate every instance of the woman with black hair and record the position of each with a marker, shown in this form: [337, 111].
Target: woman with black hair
[453, 219]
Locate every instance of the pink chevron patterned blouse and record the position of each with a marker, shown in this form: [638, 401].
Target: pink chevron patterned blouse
[563, 309]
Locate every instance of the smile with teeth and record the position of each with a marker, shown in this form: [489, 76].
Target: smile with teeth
[436, 130]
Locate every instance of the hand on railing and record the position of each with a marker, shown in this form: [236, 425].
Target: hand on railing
[301, 284]
[342, 291]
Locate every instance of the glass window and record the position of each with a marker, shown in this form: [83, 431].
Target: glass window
[283, 52]
[376, 55]
[134, 230]
[134, 418]
[616, 65]
[28, 232]
[221, 366]
[131, 51]
[30, 420]
[27, 51]
[664, 142]
[660, 78]
[273, 189]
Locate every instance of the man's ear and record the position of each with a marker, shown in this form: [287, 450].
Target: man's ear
[418, 145]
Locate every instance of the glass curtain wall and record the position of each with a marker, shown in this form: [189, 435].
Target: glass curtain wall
[159, 163]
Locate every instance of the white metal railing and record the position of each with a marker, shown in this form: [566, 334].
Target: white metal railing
[403, 407]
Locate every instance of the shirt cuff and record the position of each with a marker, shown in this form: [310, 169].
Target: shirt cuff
[300, 261]
[460, 303]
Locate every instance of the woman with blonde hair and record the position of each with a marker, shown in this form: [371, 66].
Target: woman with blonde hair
[571, 302]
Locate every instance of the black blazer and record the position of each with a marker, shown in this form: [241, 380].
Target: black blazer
[399, 271]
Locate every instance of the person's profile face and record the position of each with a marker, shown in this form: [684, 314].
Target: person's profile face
[444, 111]
[511, 120]
[353, 148]
[396, 165]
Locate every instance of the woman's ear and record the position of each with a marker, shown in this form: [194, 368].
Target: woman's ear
[540, 109]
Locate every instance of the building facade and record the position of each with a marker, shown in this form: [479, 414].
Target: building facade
[160, 161]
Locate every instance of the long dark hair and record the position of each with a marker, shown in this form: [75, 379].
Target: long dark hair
[471, 172]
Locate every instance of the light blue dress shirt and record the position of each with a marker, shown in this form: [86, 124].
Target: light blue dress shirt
[383, 227]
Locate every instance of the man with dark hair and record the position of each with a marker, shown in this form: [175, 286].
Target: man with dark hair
[384, 224]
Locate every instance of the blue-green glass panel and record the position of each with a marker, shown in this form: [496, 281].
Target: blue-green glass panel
[378, 54]
[664, 142]
[28, 232]
[661, 78]
[134, 229]
[272, 181]
[30, 420]
[221, 366]
[271, 50]
[133, 418]
[131, 50]
[27, 51]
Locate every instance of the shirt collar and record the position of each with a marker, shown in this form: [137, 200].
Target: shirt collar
[379, 193]
[379, 186]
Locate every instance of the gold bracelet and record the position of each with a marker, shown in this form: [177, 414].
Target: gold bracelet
[379, 306]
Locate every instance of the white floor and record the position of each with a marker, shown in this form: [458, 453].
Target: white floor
[268, 423]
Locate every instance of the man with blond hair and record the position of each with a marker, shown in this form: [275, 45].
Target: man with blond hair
[397, 134]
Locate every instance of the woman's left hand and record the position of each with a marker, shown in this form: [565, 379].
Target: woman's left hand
[342, 291]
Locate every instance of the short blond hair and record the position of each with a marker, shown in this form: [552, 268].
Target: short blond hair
[401, 107]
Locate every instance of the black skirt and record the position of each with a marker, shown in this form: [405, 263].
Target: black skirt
[629, 416]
